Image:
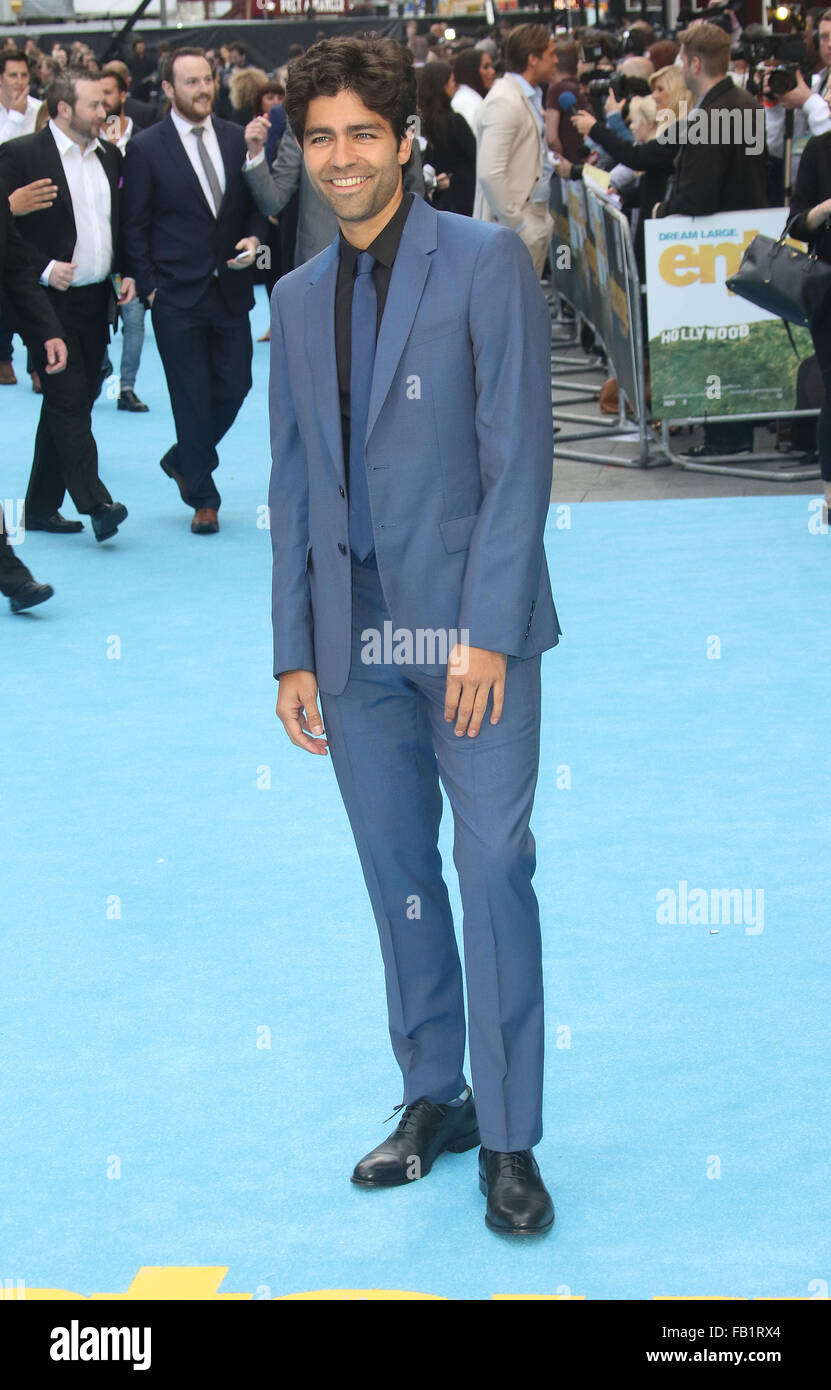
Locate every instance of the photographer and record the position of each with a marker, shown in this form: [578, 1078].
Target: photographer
[717, 175]
[812, 115]
[811, 213]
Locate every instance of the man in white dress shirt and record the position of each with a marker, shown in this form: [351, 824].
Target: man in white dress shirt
[73, 244]
[18, 109]
[18, 112]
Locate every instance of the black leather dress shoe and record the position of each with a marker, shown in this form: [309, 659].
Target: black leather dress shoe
[56, 523]
[706, 451]
[128, 400]
[171, 472]
[29, 595]
[424, 1131]
[518, 1201]
[107, 518]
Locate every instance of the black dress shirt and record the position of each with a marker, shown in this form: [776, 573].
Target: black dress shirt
[384, 248]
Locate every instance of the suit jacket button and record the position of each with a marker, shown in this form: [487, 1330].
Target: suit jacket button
[341, 491]
[341, 547]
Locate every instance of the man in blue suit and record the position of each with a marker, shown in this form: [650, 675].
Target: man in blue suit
[412, 447]
[191, 232]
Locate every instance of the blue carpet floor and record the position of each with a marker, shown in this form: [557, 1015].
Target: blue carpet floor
[193, 1049]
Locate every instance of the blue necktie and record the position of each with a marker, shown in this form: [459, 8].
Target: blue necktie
[364, 319]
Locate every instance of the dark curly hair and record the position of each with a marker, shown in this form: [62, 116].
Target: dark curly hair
[378, 70]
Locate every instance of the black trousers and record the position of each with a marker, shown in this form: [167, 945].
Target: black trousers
[820, 330]
[206, 354]
[13, 572]
[66, 455]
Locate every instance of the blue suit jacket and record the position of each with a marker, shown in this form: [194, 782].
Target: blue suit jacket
[459, 449]
[172, 240]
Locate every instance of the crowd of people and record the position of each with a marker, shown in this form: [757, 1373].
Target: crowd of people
[171, 182]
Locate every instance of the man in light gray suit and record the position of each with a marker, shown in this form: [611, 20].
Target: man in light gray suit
[273, 189]
[412, 448]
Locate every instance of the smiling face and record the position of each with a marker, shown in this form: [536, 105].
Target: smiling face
[487, 72]
[83, 121]
[353, 157]
[112, 95]
[192, 89]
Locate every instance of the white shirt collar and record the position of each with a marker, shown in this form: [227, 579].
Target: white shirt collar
[184, 127]
[65, 142]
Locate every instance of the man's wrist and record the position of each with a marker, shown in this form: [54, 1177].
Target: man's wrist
[252, 160]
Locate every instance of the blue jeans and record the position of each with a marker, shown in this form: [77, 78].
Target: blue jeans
[132, 315]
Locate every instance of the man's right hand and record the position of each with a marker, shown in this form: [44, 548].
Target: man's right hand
[60, 276]
[56, 355]
[256, 134]
[818, 214]
[298, 711]
[33, 197]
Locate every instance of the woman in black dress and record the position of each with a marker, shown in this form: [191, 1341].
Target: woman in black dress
[811, 211]
[451, 144]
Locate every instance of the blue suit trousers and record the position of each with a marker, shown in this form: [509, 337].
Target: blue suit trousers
[392, 750]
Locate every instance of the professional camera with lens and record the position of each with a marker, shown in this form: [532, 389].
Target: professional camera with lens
[783, 78]
[600, 84]
[783, 75]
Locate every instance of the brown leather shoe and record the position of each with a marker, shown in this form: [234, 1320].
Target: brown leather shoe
[36, 386]
[205, 522]
[7, 376]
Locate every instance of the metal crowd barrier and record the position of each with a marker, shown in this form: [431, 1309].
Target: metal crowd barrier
[593, 272]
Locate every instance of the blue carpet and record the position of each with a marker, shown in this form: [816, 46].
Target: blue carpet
[193, 1046]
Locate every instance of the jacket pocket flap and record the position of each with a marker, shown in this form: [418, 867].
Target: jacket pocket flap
[456, 533]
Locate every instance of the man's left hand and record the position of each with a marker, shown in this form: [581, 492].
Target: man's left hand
[128, 290]
[472, 674]
[797, 98]
[248, 245]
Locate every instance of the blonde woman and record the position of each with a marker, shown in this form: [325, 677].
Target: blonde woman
[246, 87]
[672, 97]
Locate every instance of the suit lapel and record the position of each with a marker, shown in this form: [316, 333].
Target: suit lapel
[409, 274]
[187, 172]
[229, 160]
[57, 173]
[320, 351]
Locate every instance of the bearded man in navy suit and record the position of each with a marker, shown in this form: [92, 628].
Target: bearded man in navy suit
[412, 447]
[191, 233]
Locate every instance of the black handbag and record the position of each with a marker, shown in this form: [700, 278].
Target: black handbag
[789, 283]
